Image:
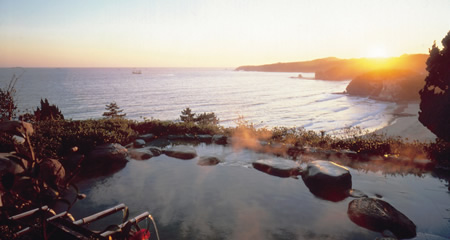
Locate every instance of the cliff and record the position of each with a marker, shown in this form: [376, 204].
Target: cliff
[305, 66]
[388, 85]
[345, 69]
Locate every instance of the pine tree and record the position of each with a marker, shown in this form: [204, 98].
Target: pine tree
[113, 111]
[48, 112]
[435, 95]
[187, 115]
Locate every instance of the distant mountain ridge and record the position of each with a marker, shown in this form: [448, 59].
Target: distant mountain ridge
[333, 68]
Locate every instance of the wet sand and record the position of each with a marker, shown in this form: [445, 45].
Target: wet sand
[405, 123]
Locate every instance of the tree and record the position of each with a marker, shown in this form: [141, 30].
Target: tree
[113, 111]
[187, 116]
[8, 104]
[47, 112]
[207, 118]
[435, 95]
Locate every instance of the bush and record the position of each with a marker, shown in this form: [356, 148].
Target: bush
[164, 128]
[8, 104]
[56, 138]
[203, 119]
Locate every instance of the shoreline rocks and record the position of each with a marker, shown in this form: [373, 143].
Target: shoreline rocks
[327, 180]
[181, 152]
[105, 159]
[209, 161]
[279, 168]
[378, 215]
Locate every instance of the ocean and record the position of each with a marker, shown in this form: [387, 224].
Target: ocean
[266, 99]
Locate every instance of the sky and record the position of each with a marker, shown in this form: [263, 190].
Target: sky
[213, 33]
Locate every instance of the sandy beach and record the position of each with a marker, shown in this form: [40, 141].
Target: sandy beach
[405, 123]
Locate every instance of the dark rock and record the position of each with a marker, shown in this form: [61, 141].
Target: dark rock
[220, 139]
[19, 128]
[185, 137]
[378, 215]
[11, 164]
[327, 180]
[204, 138]
[105, 159]
[138, 143]
[72, 162]
[189, 137]
[155, 151]
[279, 168]
[52, 172]
[208, 161]
[175, 137]
[181, 152]
[160, 142]
[140, 154]
[147, 137]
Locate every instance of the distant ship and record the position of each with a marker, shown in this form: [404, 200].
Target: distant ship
[137, 72]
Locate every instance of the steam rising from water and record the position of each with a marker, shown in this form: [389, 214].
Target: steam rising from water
[234, 201]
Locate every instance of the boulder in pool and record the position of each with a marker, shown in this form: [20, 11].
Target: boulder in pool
[140, 154]
[105, 159]
[378, 215]
[327, 180]
[208, 161]
[160, 142]
[280, 168]
[156, 151]
[138, 143]
[181, 152]
[147, 137]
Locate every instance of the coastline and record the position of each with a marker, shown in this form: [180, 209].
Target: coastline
[405, 123]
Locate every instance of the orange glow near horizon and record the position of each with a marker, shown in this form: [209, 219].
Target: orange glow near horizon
[377, 52]
[205, 33]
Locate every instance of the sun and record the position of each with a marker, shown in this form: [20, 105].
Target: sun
[377, 52]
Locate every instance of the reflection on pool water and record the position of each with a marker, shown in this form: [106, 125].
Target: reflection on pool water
[234, 201]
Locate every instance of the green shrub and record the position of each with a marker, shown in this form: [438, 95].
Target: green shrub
[187, 116]
[164, 128]
[56, 138]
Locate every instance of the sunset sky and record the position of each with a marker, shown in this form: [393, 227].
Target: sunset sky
[213, 33]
